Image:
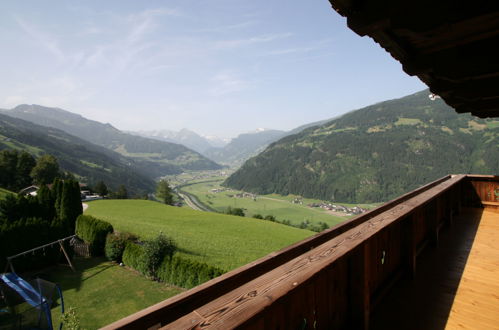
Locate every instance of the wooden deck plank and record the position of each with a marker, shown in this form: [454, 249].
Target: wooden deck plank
[456, 284]
[476, 305]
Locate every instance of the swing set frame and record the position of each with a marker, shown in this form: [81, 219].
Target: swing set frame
[60, 241]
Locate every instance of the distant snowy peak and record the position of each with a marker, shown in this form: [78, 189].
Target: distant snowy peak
[216, 141]
[185, 137]
[259, 130]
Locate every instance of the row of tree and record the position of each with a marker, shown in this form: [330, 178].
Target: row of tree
[18, 169]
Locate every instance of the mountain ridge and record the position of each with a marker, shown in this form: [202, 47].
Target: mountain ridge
[158, 158]
[89, 162]
[374, 153]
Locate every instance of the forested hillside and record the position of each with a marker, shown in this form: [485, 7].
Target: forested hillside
[375, 153]
[157, 158]
[89, 162]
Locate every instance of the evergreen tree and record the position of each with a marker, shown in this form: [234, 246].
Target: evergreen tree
[8, 168]
[122, 193]
[164, 192]
[46, 202]
[57, 196]
[25, 164]
[70, 207]
[101, 188]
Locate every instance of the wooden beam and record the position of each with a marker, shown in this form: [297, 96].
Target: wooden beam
[360, 295]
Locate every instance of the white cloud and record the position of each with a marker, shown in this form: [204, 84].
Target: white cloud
[226, 83]
[291, 50]
[250, 41]
[229, 27]
[44, 39]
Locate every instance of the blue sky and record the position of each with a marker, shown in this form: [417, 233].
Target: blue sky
[218, 67]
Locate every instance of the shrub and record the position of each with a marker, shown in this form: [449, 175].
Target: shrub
[133, 257]
[186, 273]
[235, 211]
[270, 218]
[174, 269]
[156, 250]
[94, 232]
[116, 243]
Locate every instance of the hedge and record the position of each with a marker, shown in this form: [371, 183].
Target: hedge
[93, 231]
[133, 257]
[175, 270]
[186, 273]
[27, 234]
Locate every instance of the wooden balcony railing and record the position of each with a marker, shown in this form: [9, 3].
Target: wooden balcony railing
[330, 280]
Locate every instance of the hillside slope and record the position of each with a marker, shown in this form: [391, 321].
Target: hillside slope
[375, 153]
[157, 158]
[89, 162]
[221, 240]
[244, 146]
[185, 137]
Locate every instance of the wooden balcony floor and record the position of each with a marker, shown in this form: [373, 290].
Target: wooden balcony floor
[456, 285]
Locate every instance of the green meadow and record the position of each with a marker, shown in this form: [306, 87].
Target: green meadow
[276, 205]
[103, 292]
[219, 240]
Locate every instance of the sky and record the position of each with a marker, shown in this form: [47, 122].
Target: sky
[217, 67]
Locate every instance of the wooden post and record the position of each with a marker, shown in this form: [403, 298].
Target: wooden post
[67, 257]
[409, 252]
[432, 216]
[360, 297]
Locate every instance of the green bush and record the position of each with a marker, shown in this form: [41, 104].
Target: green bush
[94, 232]
[133, 257]
[174, 269]
[156, 250]
[234, 211]
[115, 245]
[186, 273]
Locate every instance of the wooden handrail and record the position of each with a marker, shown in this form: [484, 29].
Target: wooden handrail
[258, 285]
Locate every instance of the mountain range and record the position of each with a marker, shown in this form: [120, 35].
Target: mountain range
[375, 153]
[90, 163]
[231, 152]
[157, 158]
[244, 146]
[187, 138]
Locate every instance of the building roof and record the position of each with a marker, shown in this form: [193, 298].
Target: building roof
[450, 45]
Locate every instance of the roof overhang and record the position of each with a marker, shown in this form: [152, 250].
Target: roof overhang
[450, 45]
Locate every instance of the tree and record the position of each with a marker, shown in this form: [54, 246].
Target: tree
[101, 188]
[235, 211]
[25, 164]
[45, 170]
[8, 166]
[164, 192]
[47, 203]
[122, 193]
[15, 169]
[156, 250]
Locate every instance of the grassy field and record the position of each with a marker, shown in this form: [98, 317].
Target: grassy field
[220, 240]
[4, 192]
[276, 205]
[103, 292]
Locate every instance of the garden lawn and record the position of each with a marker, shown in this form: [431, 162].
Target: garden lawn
[103, 292]
[219, 240]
